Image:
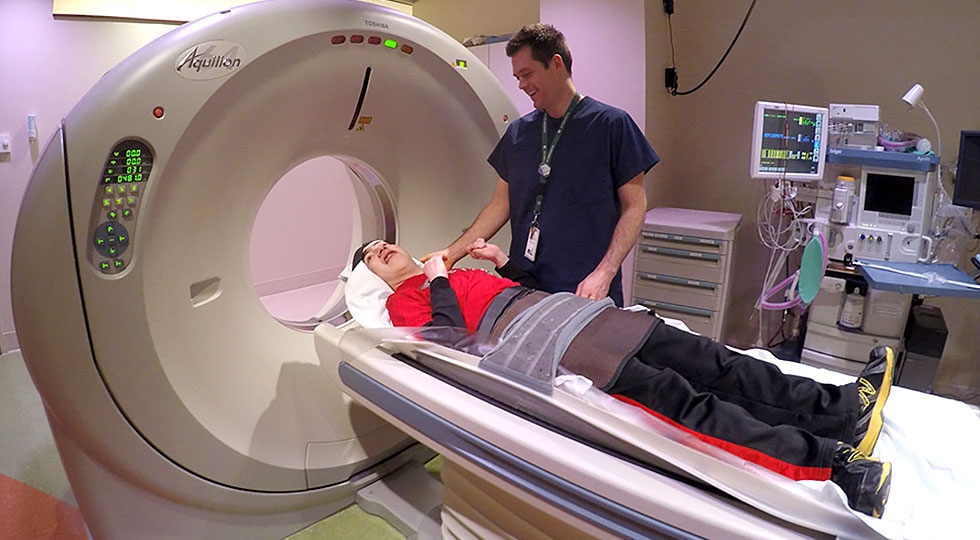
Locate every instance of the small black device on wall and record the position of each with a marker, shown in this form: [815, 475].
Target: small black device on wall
[966, 189]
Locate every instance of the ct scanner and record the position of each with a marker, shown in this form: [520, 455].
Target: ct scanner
[176, 400]
[180, 407]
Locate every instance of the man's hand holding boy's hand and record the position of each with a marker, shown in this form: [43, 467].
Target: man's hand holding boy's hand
[484, 251]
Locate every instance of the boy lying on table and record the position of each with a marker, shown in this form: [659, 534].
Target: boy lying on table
[792, 425]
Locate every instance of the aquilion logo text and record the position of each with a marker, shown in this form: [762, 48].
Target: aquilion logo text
[202, 60]
[210, 60]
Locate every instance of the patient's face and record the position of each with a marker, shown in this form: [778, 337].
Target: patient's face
[390, 262]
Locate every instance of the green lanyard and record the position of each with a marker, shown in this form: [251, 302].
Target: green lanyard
[544, 169]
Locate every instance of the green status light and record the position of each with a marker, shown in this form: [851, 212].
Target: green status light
[391, 44]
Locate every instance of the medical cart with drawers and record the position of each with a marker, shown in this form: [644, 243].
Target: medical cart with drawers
[684, 266]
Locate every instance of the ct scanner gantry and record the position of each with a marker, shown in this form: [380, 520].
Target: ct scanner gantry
[180, 407]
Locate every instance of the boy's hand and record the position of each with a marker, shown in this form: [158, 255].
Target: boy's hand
[435, 267]
[482, 250]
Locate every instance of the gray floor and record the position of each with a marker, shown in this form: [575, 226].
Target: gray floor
[27, 451]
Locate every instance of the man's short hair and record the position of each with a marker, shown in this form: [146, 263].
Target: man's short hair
[545, 42]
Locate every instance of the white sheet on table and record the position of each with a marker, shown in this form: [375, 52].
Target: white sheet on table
[932, 443]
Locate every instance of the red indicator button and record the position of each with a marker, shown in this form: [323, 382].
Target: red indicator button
[374, 40]
[158, 112]
[407, 49]
[357, 38]
[337, 40]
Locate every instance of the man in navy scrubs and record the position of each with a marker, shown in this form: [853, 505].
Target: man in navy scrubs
[571, 178]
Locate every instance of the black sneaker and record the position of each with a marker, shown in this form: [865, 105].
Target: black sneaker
[865, 480]
[874, 384]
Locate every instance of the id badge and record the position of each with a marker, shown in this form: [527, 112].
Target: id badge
[532, 243]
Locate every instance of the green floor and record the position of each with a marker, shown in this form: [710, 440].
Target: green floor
[350, 523]
[354, 523]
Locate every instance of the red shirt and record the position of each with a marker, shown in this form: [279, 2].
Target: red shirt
[475, 289]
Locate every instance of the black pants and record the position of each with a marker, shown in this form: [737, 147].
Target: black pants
[709, 389]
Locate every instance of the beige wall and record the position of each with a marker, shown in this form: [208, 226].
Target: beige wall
[812, 53]
[464, 18]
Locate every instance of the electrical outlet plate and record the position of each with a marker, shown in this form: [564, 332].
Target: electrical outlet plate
[5, 143]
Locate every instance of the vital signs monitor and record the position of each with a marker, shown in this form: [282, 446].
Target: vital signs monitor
[788, 141]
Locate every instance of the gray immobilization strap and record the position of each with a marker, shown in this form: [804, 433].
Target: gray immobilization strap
[533, 343]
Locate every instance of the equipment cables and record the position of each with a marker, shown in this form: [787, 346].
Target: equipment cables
[673, 80]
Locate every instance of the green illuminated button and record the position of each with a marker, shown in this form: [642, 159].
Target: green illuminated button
[131, 201]
[118, 263]
[112, 214]
[127, 213]
[119, 201]
[111, 239]
[104, 266]
[106, 203]
[109, 190]
[391, 44]
[134, 189]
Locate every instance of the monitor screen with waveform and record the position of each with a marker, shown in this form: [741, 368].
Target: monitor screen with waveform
[788, 141]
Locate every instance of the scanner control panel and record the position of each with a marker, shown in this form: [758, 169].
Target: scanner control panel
[117, 202]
